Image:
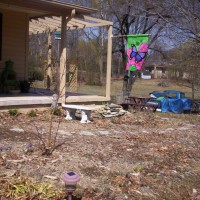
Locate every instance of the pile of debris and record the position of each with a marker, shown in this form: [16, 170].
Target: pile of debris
[111, 110]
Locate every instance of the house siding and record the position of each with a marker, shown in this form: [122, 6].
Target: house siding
[14, 37]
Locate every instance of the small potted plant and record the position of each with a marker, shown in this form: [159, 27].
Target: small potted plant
[24, 86]
[14, 88]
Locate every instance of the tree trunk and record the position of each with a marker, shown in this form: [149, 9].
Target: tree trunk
[118, 68]
[193, 89]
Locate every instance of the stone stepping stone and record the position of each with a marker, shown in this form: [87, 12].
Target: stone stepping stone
[87, 133]
[184, 128]
[62, 132]
[170, 129]
[103, 132]
[18, 130]
[145, 131]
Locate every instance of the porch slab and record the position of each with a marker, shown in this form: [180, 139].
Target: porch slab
[34, 99]
[24, 100]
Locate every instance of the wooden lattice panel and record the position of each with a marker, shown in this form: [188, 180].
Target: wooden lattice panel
[73, 78]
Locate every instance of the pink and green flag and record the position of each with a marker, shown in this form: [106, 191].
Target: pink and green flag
[137, 49]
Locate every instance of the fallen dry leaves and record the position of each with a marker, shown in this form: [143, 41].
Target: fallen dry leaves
[139, 156]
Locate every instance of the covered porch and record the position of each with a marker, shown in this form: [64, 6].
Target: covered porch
[43, 97]
[48, 17]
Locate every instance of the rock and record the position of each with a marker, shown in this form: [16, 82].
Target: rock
[112, 105]
[62, 132]
[2, 161]
[128, 149]
[112, 110]
[146, 191]
[10, 173]
[16, 161]
[194, 191]
[87, 133]
[19, 166]
[104, 132]
[51, 177]
[56, 160]
[18, 130]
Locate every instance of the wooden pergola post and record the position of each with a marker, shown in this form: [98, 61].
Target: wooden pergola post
[48, 69]
[63, 55]
[109, 61]
[63, 58]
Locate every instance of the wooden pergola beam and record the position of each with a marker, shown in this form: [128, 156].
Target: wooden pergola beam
[59, 20]
[36, 29]
[69, 24]
[96, 20]
[50, 23]
[77, 22]
[44, 24]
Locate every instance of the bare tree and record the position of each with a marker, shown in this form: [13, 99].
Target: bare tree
[185, 32]
[186, 19]
[137, 17]
[186, 64]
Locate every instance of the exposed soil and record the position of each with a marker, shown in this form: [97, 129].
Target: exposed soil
[136, 156]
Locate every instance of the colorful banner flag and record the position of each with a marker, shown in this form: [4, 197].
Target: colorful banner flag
[137, 49]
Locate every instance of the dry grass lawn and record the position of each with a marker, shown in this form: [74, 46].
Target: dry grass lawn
[139, 156]
[140, 88]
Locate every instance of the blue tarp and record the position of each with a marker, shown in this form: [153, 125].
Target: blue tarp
[172, 104]
[165, 105]
[157, 94]
[176, 106]
[187, 104]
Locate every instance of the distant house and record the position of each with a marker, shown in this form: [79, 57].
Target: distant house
[157, 70]
[20, 18]
[157, 65]
[146, 75]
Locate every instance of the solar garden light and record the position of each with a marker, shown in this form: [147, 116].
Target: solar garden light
[70, 179]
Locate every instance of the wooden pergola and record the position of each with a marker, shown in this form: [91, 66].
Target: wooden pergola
[73, 21]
